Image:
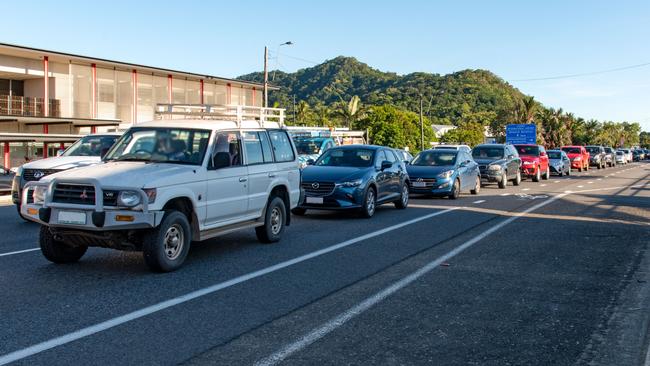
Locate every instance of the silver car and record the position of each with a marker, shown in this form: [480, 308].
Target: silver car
[558, 162]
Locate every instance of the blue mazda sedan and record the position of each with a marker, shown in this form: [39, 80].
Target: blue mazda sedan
[357, 177]
[444, 172]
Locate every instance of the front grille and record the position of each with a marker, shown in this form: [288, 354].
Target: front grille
[429, 182]
[74, 193]
[482, 167]
[317, 189]
[29, 175]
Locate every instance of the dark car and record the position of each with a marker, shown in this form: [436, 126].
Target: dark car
[596, 156]
[610, 156]
[6, 178]
[636, 155]
[357, 177]
[444, 173]
[498, 163]
[559, 162]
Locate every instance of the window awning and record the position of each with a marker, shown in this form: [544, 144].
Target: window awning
[76, 122]
[37, 137]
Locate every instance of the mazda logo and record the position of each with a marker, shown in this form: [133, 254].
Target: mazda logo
[315, 185]
[38, 174]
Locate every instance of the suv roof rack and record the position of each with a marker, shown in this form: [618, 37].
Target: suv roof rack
[220, 112]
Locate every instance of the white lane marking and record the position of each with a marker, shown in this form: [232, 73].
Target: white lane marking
[526, 189]
[18, 252]
[99, 327]
[479, 201]
[556, 181]
[599, 179]
[542, 185]
[373, 300]
[580, 186]
[504, 194]
[590, 182]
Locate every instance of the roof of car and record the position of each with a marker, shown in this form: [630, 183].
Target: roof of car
[491, 145]
[205, 124]
[106, 134]
[361, 146]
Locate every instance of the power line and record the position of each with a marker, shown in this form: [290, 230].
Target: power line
[586, 73]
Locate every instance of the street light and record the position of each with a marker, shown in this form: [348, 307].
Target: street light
[266, 70]
[277, 56]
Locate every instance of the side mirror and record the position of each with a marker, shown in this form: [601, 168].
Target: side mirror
[542, 153]
[386, 165]
[407, 162]
[220, 160]
[311, 162]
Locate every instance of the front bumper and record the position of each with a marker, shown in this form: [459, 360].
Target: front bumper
[437, 187]
[87, 218]
[577, 164]
[529, 170]
[491, 175]
[341, 198]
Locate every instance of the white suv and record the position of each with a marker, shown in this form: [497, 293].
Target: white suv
[167, 183]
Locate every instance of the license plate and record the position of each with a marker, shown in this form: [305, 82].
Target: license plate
[72, 217]
[314, 200]
[419, 184]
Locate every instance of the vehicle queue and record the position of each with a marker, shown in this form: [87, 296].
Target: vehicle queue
[165, 184]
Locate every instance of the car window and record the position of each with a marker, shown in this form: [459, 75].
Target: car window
[379, 158]
[281, 146]
[267, 150]
[438, 157]
[228, 142]
[346, 157]
[528, 150]
[390, 156]
[554, 155]
[488, 152]
[253, 148]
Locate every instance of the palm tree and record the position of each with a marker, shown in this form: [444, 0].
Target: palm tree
[302, 112]
[352, 111]
[322, 114]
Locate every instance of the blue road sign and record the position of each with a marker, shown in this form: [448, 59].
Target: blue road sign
[521, 134]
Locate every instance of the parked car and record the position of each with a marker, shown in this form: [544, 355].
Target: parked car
[621, 158]
[534, 161]
[6, 178]
[596, 156]
[636, 155]
[641, 153]
[310, 148]
[579, 157]
[88, 150]
[628, 154]
[610, 156]
[356, 177]
[559, 162]
[167, 183]
[453, 147]
[498, 163]
[404, 156]
[444, 172]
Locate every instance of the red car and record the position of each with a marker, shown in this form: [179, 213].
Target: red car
[534, 161]
[579, 157]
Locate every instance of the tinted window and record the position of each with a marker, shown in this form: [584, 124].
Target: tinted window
[228, 142]
[488, 152]
[281, 146]
[593, 149]
[253, 148]
[527, 150]
[92, 145]
[554, 155]
[266, 147]
[379, 159]
[435, 158]
[390, 156]
[346, 157]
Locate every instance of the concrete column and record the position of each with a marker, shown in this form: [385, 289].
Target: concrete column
[7, 163]
[46, 85]
[134, 110]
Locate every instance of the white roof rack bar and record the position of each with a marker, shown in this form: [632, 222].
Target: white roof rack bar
[235, 113]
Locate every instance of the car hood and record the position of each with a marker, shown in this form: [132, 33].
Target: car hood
[332, 173]
[534, 159]
[555, 161]
[63, 162]
[427, 171]
[132, 174]
[489, 161]
[573, 156]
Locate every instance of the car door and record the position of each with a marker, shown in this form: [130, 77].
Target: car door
[227, 181]
[285, 161]
[394, 173]
[543, 159]
[261, 169]
[463, 165]
[383, 178]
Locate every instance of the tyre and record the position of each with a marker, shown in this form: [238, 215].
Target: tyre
[580, 169]
[57, 251]
[600, 165]
[477, 186]
[369, 203]
[537, 175]
[275, 219]
[568, 172]
[504, 181]
[455, 190]
[165, 247]
[299, 211]
[517, 180]
[547, 174]
[403, 201]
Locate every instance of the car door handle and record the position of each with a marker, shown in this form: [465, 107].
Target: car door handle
[243, 179]
[271, 175]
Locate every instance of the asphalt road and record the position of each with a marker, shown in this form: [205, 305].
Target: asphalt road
[550, 273]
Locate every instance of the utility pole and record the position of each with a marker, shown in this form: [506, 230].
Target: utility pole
[421, 124]
[266, 77]
[294, 109]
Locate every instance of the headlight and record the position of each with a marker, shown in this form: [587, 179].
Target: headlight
[528, 163]
[351, 183]
[38, 195]
[577, 158]
[128, 198]
[446, 175]
[494, 167]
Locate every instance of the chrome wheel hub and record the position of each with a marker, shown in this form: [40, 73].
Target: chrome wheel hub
[174, 241]
[276, 220]
[370, 203]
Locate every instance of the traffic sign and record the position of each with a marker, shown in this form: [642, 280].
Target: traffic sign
[521, 134]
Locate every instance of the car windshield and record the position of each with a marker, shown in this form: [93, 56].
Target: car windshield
[94, 145]
[528, 150]
[593, 149]
[571, 150]
[608, 150]
[447, 147]
[554, 154]
[435, 158]
[347, 157]
[161, 145]
[619, 153]
[307, 146]
[487, 152]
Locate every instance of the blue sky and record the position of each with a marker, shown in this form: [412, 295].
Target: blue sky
[514, 39]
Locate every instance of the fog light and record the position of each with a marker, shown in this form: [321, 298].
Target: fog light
[126, 218]
[444, 185]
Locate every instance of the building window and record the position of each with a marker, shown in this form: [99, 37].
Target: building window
[124, 96]
[81, 90]
[105, 93]
[178, 91]
[145, 97]
[192, 92]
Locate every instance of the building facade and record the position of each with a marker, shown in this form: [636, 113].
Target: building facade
[48, 99]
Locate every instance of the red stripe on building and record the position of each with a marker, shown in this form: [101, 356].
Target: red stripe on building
[228, 93]
[93, 69]
[7, 163]
[254, 97]
[134, 111]
[201, 82]
[169, 89]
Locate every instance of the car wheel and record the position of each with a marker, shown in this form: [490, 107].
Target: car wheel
[504, 181]
[455, 190]
[403, 201]
[580, 169]
[165, 247]
[537, 175]
[274, 220]
[56, 250]
[477, 186]
[568, 172]
[369, 203]
[547, 174]
[517, 179]
[299, 211]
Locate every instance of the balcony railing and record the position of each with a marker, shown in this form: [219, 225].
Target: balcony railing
[28, 106]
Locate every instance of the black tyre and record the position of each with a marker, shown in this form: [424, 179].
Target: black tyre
[455, 190]
[561, 172]
[275, 219]
[299, 211]
[568, 172]
[57, 251]
[477, 186]
[580, 169]
[503, 183]
[403, 201]
[547, 174]
[369, 203]
[537, 175]
[517, 179]
[165, 248]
